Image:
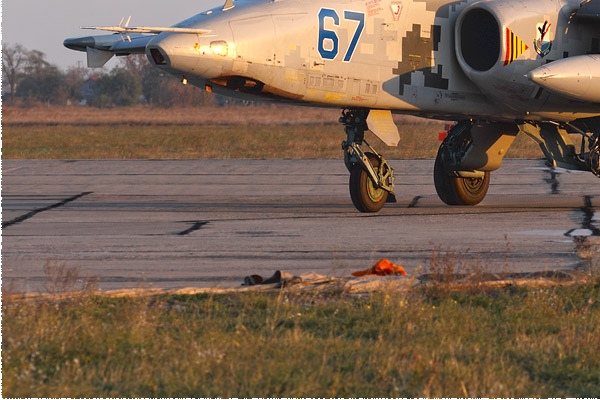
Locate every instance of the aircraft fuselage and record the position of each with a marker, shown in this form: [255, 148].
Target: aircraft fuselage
[448, 60]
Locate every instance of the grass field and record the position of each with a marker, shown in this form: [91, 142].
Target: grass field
[429, 342]
[214, 132]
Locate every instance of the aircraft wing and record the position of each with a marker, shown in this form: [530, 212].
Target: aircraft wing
[101, 48]
[126, 40]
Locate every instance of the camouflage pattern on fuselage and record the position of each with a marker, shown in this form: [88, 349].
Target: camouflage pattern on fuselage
[418, 57]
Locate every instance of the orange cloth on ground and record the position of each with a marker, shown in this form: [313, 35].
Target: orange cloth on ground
[382, 267]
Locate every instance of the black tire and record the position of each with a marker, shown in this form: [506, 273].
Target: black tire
[365, 196]
[456, 191]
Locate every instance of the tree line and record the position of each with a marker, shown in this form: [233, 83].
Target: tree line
[29, 79]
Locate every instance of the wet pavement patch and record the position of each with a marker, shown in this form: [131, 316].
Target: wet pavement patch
[587, 228]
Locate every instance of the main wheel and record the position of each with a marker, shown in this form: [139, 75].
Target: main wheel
[457, 191]
[366, 197]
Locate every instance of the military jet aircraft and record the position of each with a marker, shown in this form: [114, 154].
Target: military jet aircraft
[498, 68]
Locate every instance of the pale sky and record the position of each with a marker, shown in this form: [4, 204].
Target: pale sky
[44, 25]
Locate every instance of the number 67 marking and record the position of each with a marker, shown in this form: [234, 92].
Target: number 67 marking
[330, 37]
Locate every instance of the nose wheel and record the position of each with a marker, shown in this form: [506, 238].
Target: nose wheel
[366, 196]
[371, 177]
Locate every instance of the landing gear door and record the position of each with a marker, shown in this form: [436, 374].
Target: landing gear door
[382, 124]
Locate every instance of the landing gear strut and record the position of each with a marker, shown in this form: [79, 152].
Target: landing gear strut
[371, 177]
[593, 158]
[558, 148]
[590, 135]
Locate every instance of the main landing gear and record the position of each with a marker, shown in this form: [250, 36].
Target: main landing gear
[474, 148]
[453, 186]
[371, 177]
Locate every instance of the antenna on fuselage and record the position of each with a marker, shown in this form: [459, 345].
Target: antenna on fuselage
[228, 5]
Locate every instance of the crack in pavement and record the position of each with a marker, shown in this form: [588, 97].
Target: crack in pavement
[30, 214]
[196, 225]
[588, 217]
[414, 202]
[585, 247]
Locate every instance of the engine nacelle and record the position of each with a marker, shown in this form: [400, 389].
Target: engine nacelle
[499, 41]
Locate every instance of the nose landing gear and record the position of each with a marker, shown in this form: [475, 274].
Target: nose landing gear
[371, 177]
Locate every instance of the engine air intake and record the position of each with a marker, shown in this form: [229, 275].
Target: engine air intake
[158, 57]
[480, 40]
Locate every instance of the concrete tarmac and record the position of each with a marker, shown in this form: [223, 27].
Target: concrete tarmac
[209, 223]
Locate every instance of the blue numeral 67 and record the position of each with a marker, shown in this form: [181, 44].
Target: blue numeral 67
[328, 39]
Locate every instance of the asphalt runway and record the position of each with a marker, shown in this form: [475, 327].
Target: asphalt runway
[209, 223]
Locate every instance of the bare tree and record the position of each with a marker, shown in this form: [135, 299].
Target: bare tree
[42, 81]
[14, 61]
[119, 88]
[73, 80]
[135, 63]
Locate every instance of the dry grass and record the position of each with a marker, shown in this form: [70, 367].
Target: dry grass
[263, 114]
[230, 115]
[267, 131]
[193, 142]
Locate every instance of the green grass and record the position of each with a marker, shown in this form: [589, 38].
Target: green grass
[510, 342]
